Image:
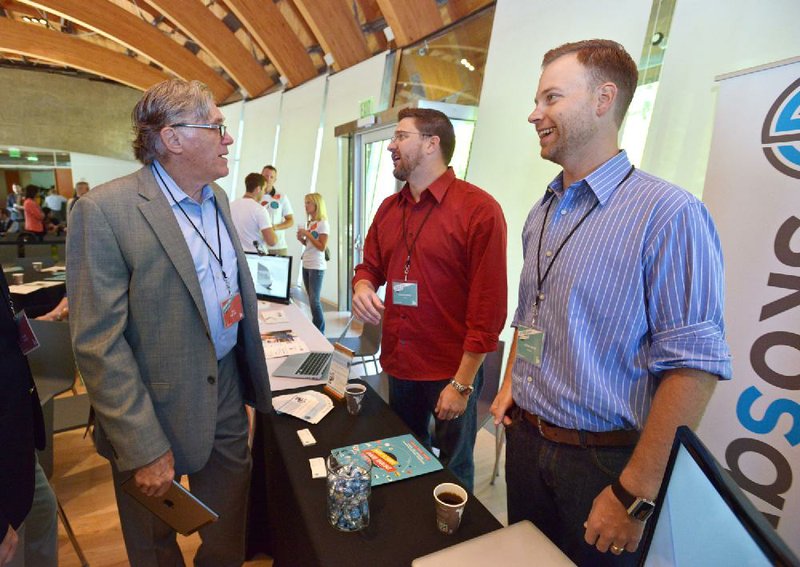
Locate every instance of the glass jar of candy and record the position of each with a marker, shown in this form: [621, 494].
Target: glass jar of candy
[349, 486]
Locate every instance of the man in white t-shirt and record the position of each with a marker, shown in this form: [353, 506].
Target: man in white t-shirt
[253, 223]
[280, 210]
[57, 205]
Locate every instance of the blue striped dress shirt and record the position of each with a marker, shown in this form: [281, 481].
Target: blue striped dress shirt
[636, 291]
[204, 216]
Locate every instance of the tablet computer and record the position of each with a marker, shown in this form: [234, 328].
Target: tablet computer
[179, 508]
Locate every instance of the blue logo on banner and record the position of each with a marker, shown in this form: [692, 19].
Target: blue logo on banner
[780, 134]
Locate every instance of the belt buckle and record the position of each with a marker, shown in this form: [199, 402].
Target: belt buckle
[539, 426]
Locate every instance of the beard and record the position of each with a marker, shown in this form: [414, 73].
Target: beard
[405, 166]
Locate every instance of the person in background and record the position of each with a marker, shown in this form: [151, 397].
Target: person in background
[57, 205]
[34, 216]
[280, 210]
[251, 220]
[81, 188]
[440, 245]
[13, 202]
[7, 224]
[28, 524]
[168, 344]
[314, 238]
[619, 335]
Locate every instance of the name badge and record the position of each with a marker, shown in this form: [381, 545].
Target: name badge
[405, 293]
[27, 339]
[530, 345]
[232, 310]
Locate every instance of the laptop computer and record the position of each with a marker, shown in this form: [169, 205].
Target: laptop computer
[309, 365]
[518, 544]
[702, 517]
[271, 276]
[179, 508]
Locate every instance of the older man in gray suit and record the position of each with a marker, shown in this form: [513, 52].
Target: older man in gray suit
[164, 325]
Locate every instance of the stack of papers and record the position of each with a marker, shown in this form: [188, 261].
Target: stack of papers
[270, 316]
[282, 343]
[26, 288]
[310, 406]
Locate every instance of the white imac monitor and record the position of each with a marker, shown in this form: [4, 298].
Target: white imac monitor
[703, 518]
[271, 276]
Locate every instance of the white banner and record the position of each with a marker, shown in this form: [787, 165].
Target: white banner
[752, 189]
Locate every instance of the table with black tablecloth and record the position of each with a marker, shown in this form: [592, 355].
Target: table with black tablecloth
[288, 518]
[40, 301]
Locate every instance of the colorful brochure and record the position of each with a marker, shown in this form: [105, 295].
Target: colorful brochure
[395, 458]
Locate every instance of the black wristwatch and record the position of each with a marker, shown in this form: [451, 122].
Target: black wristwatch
[461, 388]
[638, 508]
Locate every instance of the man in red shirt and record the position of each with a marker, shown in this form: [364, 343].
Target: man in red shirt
[440, 246]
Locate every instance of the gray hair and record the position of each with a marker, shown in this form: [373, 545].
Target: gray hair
[166, 103]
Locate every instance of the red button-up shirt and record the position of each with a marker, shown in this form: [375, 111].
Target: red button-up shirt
[459, 264]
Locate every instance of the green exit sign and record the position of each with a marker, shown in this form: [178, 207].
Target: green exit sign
[14, 152]
[366, 107]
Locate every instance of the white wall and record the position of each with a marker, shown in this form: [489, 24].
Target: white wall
[345, 90]
[96, 170]
[505, 151]
[709, 38]
[261, 116]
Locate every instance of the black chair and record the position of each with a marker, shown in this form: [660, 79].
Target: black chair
[492, 368]
[365, 346]
[53, 369]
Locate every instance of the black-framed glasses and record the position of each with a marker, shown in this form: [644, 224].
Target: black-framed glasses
[221, 127]
[401, 135]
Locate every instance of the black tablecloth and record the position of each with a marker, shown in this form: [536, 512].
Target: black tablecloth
[288, 516]
[41, 301]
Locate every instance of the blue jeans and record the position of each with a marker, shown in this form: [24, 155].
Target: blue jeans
[553, 485]
[415, 400]
[312, 279]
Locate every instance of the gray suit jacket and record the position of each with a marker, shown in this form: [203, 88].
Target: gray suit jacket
[140, 330]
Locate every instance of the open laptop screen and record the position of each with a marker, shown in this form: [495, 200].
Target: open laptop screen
[703, 518]
[271, 276]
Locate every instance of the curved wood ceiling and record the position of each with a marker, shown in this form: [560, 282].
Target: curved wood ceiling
[239, 48]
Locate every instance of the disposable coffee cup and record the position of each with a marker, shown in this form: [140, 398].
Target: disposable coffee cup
[450, 502]
[354, 395]
[17, 279]
[37, 266]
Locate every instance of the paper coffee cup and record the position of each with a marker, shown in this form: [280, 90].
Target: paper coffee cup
[17, 279]
[354, 396]
[37, 266]
[450, 502]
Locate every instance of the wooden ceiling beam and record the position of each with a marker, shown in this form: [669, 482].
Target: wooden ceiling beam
[275, 36]
[411, 20]
[49, 45]
[117, 24]
[335, 27]
[208, 31]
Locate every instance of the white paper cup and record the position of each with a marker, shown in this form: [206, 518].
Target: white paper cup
[354, 395]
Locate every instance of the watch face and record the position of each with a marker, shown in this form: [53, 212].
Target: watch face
[641, 509]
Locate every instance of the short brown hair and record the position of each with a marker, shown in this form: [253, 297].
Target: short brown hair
[254, 181]
[165, 103]
[433, 123]
[606, 60]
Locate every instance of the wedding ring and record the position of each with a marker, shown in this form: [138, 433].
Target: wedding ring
[616, 549]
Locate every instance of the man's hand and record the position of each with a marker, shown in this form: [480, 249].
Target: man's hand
[8, 547]
[609, 527]
[451, 403]
[155, 479]
[367, 306]
[503, 402]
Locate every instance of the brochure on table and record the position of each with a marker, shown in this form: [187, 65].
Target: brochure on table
[310, 406]
[395, 458]
[339, 372]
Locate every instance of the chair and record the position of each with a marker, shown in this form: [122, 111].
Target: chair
[365, 346]
[379, 383]
[53, 369]
[492, 368]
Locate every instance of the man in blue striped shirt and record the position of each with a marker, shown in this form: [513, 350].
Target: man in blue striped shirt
[619, 334]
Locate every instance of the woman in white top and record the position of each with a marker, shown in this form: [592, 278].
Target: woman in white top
[315, 239]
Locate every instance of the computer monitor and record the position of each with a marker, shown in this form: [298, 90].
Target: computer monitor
[271, 276]
[703, 518]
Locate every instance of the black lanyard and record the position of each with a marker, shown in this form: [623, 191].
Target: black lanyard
[218, 258]
[541, 278]
[410, 247]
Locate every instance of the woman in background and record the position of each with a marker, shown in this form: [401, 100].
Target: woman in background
[315, 239]
[34, 216]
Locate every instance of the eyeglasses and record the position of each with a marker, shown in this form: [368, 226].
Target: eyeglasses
[401, 135]
[221, 127]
